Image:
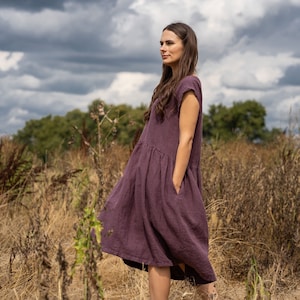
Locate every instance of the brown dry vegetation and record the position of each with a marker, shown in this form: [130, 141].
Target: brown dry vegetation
[252, 195]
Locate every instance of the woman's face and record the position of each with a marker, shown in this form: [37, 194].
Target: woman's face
[171, 48]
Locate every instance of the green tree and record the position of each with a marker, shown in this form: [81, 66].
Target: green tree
[122, 123]
[50, 133]
[59, 133]
[243, 119]
[248, 119]
[217, 123]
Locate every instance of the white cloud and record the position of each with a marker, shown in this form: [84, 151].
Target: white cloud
[28, 82]
[215, 21]
[241, 76]
[254, 71]
[244, 72]
[16, 116]
[75, 21]
[283, 107]
[129, 88]
[12, 82]
[295, 2]
[77, 54]
[291, 105]
[36, 24]
[10, 60]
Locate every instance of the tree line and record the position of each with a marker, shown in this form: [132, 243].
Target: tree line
[122, 124]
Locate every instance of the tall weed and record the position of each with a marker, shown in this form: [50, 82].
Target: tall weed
[253, 197]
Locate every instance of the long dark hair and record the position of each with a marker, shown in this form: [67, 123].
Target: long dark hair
[186, 66]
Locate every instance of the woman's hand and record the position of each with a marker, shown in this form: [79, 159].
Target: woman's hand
[176, 187]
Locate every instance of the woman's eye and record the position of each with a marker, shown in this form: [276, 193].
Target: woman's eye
[168, 43]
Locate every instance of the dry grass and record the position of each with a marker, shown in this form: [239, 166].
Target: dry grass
[252, 196]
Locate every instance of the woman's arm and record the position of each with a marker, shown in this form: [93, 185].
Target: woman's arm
[188, 117]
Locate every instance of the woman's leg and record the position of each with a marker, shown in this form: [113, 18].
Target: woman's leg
[159, 282]
[208, 291]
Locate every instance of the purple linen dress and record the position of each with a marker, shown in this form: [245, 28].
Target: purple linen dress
[145, 221]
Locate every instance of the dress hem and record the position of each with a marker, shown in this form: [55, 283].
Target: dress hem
[176, 272]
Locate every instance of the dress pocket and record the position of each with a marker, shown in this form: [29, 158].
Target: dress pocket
[180, 190]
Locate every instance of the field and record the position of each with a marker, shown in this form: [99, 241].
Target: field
[252, 196]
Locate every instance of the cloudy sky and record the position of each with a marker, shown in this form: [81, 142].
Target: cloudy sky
[58, 55]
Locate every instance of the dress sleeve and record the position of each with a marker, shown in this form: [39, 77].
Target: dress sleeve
[189, 83]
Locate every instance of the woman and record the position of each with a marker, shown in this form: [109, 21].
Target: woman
[155, 218]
